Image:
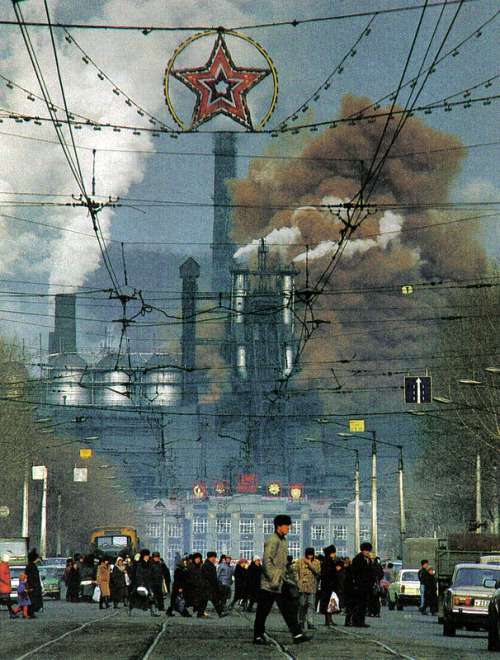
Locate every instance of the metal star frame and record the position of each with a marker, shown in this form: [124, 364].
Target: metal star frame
[220, 86]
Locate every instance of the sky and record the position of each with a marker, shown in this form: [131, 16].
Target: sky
[330, 54]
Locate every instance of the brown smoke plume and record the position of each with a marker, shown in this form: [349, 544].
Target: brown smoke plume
[412, 243]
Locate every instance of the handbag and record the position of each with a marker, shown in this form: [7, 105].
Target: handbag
[333, 604]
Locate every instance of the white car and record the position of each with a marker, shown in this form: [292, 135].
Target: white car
[467, 600]
[405, 590]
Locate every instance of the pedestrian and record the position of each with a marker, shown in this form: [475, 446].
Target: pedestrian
[308, 572]
[211, 585]
[273, 574]
[430, 592]
[423, 576]
[329, 582]
[225, 576]
[254, 573]
[5, 584]
[73, 579]
[177, 595]
[196, 587]
[141, 596]
[103, 580]
[23, 598]
[118, 583]
[157, 580]
[374, 604]
[88, 574]
[240, 584]
[35, 584]
[363, 579]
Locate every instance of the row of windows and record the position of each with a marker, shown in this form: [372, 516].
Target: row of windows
[247, 526]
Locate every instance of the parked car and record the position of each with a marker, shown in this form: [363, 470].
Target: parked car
[405, 590]
[51, 577]
[466, 602]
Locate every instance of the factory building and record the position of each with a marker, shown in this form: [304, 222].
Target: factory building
[238, 457]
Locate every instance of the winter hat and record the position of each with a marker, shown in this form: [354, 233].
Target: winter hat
[32, 555]
[255, 557]
[329, 550]
[5, 557]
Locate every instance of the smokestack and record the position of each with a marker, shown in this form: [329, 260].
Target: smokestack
[189, 272]
[63, 338]
[222, 246]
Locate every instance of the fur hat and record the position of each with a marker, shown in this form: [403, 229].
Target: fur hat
[329, 550]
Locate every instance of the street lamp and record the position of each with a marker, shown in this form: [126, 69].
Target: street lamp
[356, 487]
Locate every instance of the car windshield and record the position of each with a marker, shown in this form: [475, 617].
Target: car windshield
[51, 571]
[474, 577]
[387, 576]
[409, 576]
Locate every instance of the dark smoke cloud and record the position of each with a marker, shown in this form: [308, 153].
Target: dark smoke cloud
[390, 249]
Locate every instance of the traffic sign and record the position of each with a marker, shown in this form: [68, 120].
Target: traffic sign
[418, 390]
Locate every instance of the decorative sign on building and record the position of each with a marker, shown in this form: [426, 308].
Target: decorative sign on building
[295, 491]
[85, 452]
[199, 490]
[273, 488]
[247, 483]
[221, 488]
[220, 86]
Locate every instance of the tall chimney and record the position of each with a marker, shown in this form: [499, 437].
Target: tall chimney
[189, 272]
[63, 338]
[222, 246]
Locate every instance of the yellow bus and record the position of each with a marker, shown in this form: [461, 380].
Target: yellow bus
[114, 540]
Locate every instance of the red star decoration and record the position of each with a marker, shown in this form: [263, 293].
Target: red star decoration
[221, 87]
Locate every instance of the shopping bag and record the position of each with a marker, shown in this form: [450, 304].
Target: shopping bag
[333, 605]
[97, 594]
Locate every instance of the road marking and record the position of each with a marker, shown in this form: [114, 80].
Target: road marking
[155, 641]
[66, 634]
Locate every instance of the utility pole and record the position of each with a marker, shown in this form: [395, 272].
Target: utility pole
[374, 495]
[357, 539]
[402, 516]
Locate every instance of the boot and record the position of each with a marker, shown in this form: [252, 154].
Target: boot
[328, 620]
[154, 611]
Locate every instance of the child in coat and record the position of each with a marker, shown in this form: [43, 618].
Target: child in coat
[23, 598]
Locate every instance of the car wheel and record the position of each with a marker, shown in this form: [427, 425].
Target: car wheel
[390, 604]
[449, 629]
[399, 605]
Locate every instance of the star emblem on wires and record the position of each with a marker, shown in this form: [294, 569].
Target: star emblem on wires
[221, 87]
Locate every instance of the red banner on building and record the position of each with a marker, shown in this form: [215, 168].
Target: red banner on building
[221, 487]
[274, 488]
[199, 490]
[247, 483]
[295, 491]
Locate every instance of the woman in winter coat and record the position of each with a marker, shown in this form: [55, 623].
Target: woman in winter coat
[141, 589]
[5, 586]
[102, 580]
[73, 579]
[329, 581]
[254, 572]
[178, 593]
[118, 583]
[240, 583]
[35, 584]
